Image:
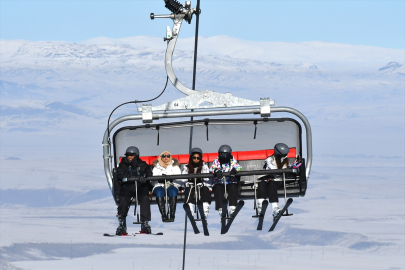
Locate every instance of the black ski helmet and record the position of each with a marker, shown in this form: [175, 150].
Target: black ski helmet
[225, 149]
[132, 150]
[281, 149]
[196, 150]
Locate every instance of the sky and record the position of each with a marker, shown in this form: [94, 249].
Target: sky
[362, 22]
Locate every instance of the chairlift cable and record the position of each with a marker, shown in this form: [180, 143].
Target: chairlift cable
[191, 128]
[135, 101]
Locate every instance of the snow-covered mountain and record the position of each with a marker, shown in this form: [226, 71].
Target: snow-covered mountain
[47, 87]
[55, 100]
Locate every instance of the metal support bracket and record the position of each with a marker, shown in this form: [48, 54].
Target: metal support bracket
[146, 113]
[217, 100]
[265, 106]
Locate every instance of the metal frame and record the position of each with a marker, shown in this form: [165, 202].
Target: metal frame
[106, 142]
[197, 122]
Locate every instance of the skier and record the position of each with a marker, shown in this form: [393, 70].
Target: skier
[196, 165]
[225, 163]
[167, 165]
[132, 165]
[268, 187]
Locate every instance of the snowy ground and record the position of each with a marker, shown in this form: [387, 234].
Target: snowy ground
[54, 200]
[343, 222]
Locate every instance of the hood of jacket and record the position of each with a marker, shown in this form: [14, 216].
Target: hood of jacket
[175, 162]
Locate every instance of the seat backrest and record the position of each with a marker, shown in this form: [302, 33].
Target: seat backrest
[253, 156]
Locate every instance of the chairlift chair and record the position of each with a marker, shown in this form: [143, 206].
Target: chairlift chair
[251, 139]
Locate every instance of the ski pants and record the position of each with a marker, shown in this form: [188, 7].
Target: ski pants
[267, 188]
[202, 192]
[219, 191]
[127, 192]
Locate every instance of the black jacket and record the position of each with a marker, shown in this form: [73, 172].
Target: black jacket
[134, 168]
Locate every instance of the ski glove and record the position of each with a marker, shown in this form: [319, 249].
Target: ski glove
[218, 174]
[142, 179]
[233, 172]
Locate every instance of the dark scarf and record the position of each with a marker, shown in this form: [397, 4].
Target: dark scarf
[225, 160]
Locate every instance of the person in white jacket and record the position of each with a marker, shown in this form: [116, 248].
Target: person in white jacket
[268, 187]
[167, 165]
[196, 165]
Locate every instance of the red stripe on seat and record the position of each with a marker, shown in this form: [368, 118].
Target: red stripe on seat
[292, 153]
[146, 159]
[238, 155]
[183, 159]
[249, 155]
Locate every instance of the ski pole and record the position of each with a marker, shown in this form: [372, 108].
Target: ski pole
[195, 195]
[285, 189]
[136, 201]
[255, 201]
[167, 206]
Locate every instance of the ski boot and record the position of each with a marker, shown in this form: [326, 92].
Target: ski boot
[206, 207]
[231, 210]
[276, 210]
[220, 212]
[122, 226]
[161, 205]
[173, 203]
[145, 228]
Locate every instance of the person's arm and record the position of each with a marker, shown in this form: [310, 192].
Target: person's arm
[207, 181]
[178, 182]
[122, 172]
[269, 164]
[236, 165]
[185, 170]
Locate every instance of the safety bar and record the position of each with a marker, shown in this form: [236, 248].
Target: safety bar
[161, 178]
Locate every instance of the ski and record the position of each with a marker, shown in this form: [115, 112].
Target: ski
[159, 233]
[191, 218]
[288, 203]
[261, 215]
[223, 218]
[235, 213]
[114, 235]
[203, 217]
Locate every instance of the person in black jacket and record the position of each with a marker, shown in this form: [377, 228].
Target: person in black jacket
[132, 166]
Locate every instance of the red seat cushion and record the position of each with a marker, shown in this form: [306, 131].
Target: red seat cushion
[238, 155]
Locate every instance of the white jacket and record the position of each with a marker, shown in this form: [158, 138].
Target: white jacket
[207, 181]
[171, 169]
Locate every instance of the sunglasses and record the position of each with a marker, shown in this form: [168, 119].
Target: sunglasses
[165, 156]
[198, 158]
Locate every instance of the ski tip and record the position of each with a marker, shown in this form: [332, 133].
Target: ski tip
[159, 233]
[290, 200]
[106, 234]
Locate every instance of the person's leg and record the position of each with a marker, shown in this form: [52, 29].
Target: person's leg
[144, 201]
[172, 192]
[160, 199]
[206, 199]
[273, 197]
[219, 191]
[218, 195]
[233, 193]
[122, 209]
[261, 194]
[189, 198]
